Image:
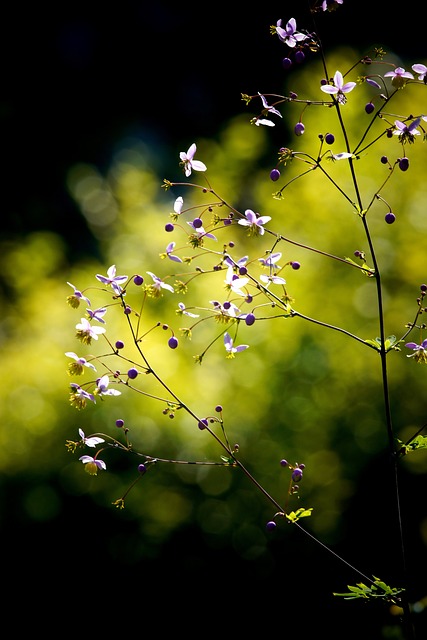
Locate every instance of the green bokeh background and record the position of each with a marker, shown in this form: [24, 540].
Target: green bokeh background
[300, 392]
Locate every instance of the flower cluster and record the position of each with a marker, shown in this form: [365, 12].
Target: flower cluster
[245, 291]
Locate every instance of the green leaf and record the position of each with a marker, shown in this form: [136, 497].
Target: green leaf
[299, 513]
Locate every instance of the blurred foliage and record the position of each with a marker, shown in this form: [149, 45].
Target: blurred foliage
[300, 392]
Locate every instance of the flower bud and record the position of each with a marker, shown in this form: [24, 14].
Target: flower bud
[299, 129]
[274, 174]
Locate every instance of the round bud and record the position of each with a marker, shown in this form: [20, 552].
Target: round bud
[293, 95]
[299, 129]
[329, 138]
[169, 227]
[250, 319]
[295, 265]
[271, 525]
[384, 159]
[132, 373]
[173, 342]
[296, 474]
[287, 63]
[249, 298]
[202, 424]
[299, 57]
[274, 174]
[423, 287]
[243, 271]
[120, 344]
[128, 310]
[218, 408]
[283, 463]
[403, 164]
[369, 107]
[390, 217]
[142, 468]
[120, 423]
[138, 280]
[197, 223]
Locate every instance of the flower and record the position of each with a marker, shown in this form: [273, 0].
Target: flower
[268, 109]
[188, 163]
[254, 222]
[112, 279]
[289, 35]
[199, 232]
[271, 260]
[231, 350]
[234, 283]
[330, 5]
[422, 70]
[225, 311]
[76, 297]
[338, 88]
[399, 77]
[97, 314]
[85, 332]
[419, 351]
[79, 397]
[155, 289]
[169, 252]
[92, 465]
[272, 278]
[182, 311]
[405, 132]
[178, 204]
[91, 441]
[102, 388]
[76, 367]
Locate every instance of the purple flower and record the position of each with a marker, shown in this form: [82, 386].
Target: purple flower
[75, 299]
[85, 332]
[91, 441]
[231, 350]
[399, 77]
[289, 35]
[405, 132]
[112, 279]
[338, 88]
[169, 252]
[97, 314]
[102, 388]
[76, 367]
[419, 351]
[79, 396]
[254, 222]
[421, 69]
[92, 465]
[199, 232]
[156, 288]
[188, 162]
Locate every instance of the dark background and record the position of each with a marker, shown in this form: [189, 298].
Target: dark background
[76, 78]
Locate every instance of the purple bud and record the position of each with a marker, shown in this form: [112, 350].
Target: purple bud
[299, 129]
[384, 159]
[142, 468]
[271, 525]
[274, 174]
[132, 373]
[296, 474]
[243, 271]
[173, 342]
[283, 463]
[369, 107]
[120, 423]
[138, 280]
[169, 227]
[197, 223]
[390, 217]
[295, 265]
[403, 164]
[128, 310]
[287, 63]
[218, 408]
[202, 424]
[120, 344]
[250, 319]
[329, 138]
[299, 57]
[423, 287]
